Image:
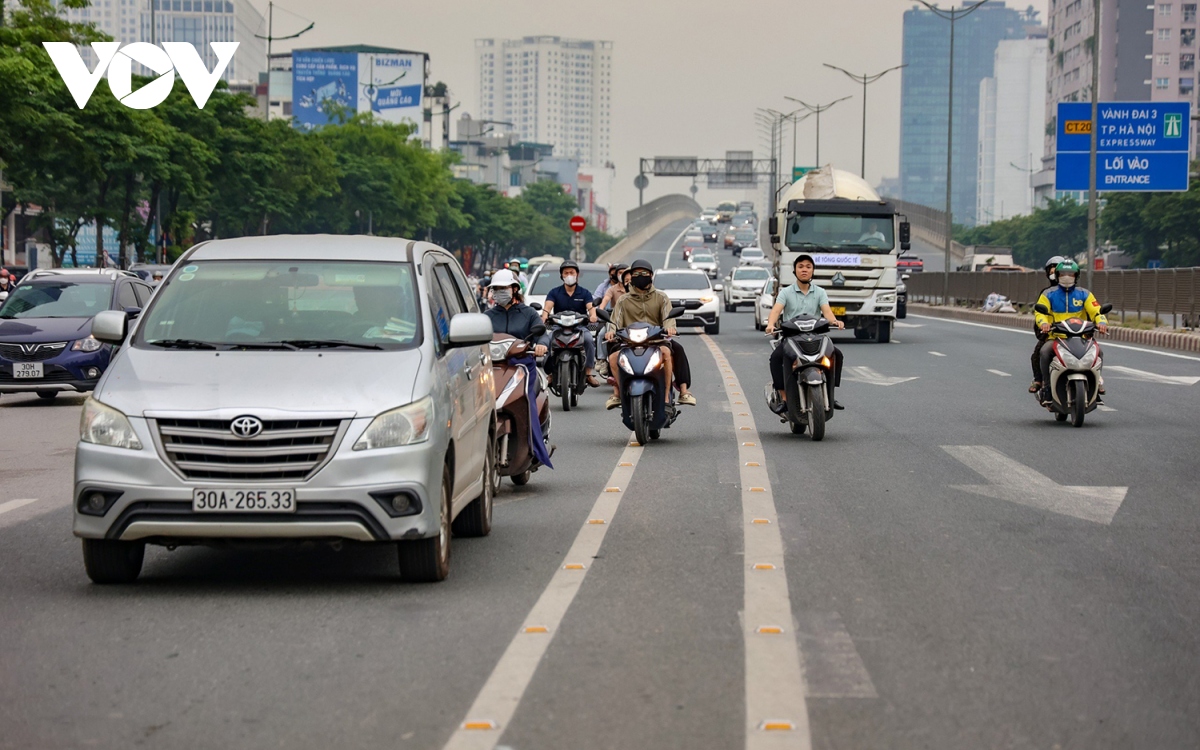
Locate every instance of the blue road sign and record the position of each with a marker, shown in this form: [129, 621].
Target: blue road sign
[1141, 146]
[1154, 263]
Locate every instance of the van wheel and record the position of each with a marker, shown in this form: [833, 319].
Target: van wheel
[476, 518]
[113, 561]
[47, 395]
[428, 560]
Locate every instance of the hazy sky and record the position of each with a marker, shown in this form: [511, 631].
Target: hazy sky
[687, 74]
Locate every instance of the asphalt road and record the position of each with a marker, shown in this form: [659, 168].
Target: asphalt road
[956, 573]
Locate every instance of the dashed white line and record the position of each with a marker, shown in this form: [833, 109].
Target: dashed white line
[937, 354]
[14, 504]
[1001, 373]
[678, 237]
[776, 707]
[496, 703]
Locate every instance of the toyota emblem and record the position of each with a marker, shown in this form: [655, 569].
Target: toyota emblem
[246, 427]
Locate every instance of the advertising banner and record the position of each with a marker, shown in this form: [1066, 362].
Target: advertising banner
[389, 85]
[320, 79]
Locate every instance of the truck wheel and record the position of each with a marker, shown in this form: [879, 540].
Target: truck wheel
[861, 334]
[476, 518]
[428, 560]
[113, 561]
[883, 331]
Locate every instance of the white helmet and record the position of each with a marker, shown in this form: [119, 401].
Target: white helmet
[504, 277]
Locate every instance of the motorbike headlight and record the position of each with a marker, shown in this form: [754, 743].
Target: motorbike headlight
[104, 425]
[89, 344]
[638, 335]
[655, 361]
[403, 426]
[498, 350]
[623, 360]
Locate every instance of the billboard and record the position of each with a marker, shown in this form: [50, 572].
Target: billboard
[387, 84]
[1140, 146]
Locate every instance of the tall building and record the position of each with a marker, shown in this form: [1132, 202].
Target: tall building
[1147, 53]
[550, 90]
[924, 105]
[1012, 115]
[195, 21]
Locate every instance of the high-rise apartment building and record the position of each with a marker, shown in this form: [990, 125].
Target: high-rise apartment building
[1147, 53]
[196, 21]
[552, 90]
[1012, 114]
[924, 100]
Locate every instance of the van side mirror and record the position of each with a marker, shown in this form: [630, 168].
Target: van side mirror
[773, 226]
[905, 236]
[110, 326]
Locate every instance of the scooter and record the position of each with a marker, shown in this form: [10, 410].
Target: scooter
[806, 382]
[520, 450]
[647, 399]
[568, 357]
[1074, 369]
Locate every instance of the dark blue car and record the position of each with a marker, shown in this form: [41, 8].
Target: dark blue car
[46, 346]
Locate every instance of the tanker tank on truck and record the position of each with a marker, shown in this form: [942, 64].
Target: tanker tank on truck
[855, 238]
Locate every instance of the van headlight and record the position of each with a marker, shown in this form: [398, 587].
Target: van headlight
[403, 426]
[104, 425]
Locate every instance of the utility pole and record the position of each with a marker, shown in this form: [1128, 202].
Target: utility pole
[1091, 251]
[864, 79]
[817, 110]
[952, 15]
[270, 37]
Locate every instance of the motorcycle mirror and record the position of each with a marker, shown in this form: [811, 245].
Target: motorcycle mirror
[1105, 309]
[677, 311]
[1042, 309]
[536, 305]
[603, 315]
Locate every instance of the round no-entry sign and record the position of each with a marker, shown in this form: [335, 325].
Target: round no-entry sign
[578, 223]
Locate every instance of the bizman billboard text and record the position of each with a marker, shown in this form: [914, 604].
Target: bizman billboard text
[387, 84]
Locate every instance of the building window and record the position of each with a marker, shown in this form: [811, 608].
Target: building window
[1189, 12]
[1162, 84]
[1187, 61]
[1164, 35]
[1164, 9]
[1163, 58]
[1186, 86]
[1187, 37]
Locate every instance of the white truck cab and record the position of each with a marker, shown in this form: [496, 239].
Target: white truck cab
[854, 237]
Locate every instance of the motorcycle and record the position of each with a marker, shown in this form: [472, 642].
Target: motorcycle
[647, 399]
[806, 382]
[567, 357]
[522, 442]
[1074, 369]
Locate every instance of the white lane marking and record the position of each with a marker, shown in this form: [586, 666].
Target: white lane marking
[678, 237]
[776, 711]
[496, 703]
[902, 324]
[832, 666]
[860, 374]
[1017, 483]
[1105, 344]
[14, 504]
[1103, 407]
[1001, 373]
[1128, 373]
[896, 341]
[937, 354]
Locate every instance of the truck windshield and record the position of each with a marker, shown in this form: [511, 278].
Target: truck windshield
[871, 234]
[226, 304]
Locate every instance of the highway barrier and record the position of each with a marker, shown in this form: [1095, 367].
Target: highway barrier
[644, 222]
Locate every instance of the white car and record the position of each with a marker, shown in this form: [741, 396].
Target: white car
[753, 256]
[743, 285]
[705, 262]
[709, 215]
[762, 308]
[693, 291]
[545, 278]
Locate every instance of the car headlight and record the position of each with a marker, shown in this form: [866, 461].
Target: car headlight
[707, 299]
[403, 426]
[638, 335]
[624, 362]
[104, 425]
[885, 298]
[89, 344]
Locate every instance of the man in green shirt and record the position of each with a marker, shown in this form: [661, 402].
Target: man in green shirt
[801, 298]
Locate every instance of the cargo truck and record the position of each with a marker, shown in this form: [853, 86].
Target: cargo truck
[853, 235]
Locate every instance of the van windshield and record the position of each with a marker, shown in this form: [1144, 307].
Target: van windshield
[869, 234]
[231, 304]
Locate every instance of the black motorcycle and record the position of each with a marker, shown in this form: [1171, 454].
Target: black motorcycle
[567, 357]
[806, 382]
[647, 399]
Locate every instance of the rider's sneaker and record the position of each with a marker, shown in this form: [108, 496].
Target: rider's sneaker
[686, 399]
[613, 402]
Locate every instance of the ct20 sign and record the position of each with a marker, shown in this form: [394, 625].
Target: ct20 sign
[118, 62]
[1139, 146]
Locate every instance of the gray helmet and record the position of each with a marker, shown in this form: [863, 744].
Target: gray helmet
[1052, 264]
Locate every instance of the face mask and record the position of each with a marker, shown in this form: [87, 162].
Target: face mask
[503, 297]
[570, 280]
[1066, 282]
[626, 285]
[642, 282]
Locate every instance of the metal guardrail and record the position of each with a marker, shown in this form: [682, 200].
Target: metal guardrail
[1157, 291]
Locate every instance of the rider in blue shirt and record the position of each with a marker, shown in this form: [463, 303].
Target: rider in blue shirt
[570, 297]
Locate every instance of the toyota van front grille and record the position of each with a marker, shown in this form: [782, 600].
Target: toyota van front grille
[214, 449]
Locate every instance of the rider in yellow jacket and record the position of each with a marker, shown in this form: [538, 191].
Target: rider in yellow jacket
[1064, 302]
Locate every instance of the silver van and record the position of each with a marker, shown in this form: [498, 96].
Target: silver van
[292, 389]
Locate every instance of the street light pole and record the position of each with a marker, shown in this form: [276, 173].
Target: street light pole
[864, 79]
[951, 15]
[817, 110]
[1091, 251]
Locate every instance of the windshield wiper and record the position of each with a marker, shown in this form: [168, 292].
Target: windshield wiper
[183, 344]
[328, 344]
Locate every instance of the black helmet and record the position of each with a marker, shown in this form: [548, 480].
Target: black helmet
[642, 264]
[619, 267]
[567, 264]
